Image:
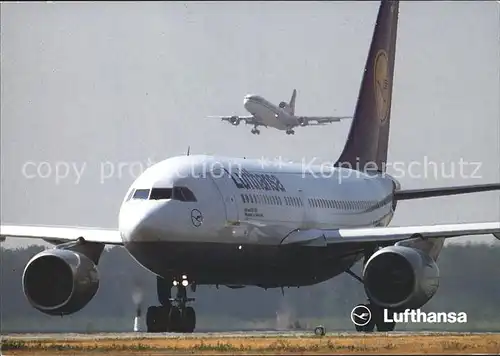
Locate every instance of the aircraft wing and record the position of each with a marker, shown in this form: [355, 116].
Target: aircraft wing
[58, 234]
[235, 120]
[389, 235]
[320, 120]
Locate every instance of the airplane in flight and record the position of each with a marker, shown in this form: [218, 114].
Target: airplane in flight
[281, 117]
[205, 220]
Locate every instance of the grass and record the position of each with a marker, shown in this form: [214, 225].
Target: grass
[365, 344]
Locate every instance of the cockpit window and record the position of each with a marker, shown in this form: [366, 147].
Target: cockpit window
[161, 193]
[183, 194]
[176, 193]
[141, 194]
[129, 195]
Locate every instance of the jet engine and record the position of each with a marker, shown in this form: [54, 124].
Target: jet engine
[302, 122]
[400, 277]
[60, 282]
[235, 120]
[283, 105]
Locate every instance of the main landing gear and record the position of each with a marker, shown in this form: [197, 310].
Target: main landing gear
[173, 315]
[375, 318]
[290, 132]
[368, 316]
[255, 131]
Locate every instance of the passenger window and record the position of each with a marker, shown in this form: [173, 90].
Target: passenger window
[160, 193]
[141, 194]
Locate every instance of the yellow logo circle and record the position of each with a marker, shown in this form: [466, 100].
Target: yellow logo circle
[382, 85]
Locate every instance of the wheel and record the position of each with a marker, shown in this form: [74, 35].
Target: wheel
[157, 319]
[153, 319]
[174, 320]
[383, 326]
[151, 316]
[319, 331]
[188, 320]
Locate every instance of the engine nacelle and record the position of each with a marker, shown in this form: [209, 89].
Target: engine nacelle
[302, 122]
[283, 105]
[60, 282]
[235, 120]
[400, 277]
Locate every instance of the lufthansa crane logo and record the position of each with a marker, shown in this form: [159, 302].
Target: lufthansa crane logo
[196, 217]
[382, 85]
[361, 315]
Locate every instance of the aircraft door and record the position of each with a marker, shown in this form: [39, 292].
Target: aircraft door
[227, 190]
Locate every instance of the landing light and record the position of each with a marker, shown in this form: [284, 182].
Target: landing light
[185, 283]
[184, 276]
[175, 283]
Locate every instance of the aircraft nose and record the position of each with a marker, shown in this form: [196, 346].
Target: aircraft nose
[141, 221]
[247, 100]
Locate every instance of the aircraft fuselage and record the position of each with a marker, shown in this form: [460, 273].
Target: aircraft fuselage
[270, 114]
[232, 228]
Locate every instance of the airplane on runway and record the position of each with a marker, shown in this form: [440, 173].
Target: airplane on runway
[204, 220]
[281, 117]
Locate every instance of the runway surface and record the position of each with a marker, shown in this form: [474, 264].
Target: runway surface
[218, 335]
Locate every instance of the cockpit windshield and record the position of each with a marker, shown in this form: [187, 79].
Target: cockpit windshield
[176, 193]
[141, 194]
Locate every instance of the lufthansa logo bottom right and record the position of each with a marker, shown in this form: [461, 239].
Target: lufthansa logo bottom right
[361, 315]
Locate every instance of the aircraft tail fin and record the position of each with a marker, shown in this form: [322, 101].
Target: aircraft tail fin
[367, 143]
[291, 104]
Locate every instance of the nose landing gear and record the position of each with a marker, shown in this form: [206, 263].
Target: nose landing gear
[174, 315]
